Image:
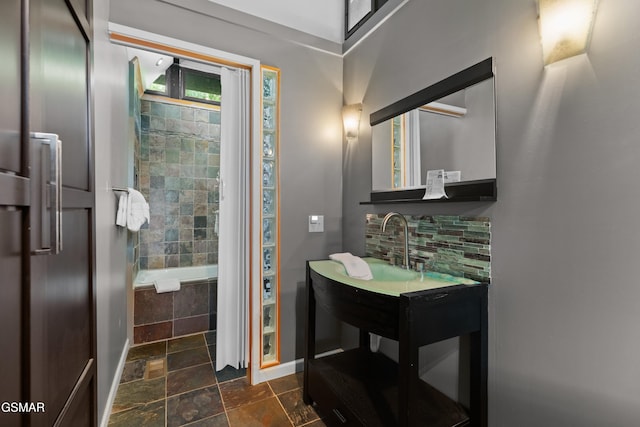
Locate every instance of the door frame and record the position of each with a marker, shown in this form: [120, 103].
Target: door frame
[133, 37]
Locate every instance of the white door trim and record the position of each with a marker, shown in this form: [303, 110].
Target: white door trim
[121, 34]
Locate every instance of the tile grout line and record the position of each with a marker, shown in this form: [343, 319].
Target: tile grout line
[210, 363]
[225, 405]
[281, 405]
[166, 382]
[213, 368]
[138, 406]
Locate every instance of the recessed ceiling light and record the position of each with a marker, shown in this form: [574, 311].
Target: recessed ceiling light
[159, 62]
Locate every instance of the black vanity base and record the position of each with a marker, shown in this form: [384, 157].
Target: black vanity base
[360, 388]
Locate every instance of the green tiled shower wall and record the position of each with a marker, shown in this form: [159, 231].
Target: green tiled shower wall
[457, 245]
[179, 161]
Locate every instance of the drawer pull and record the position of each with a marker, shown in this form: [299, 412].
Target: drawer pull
[341, 417]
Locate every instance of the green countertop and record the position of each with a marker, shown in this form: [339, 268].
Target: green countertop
[387, 279]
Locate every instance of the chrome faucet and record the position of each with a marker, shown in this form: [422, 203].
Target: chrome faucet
[405, 262]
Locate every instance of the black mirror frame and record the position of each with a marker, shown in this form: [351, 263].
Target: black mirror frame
[480, 190]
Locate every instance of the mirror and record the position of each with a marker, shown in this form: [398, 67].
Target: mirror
[450, 125]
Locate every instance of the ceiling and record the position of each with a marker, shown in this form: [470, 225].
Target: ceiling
[323, 18]
[149, 67]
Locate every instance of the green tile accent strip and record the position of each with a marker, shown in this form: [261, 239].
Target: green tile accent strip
[451, 244]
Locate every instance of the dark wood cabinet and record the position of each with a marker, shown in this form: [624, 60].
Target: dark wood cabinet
[47, 295]
[10, 34]
[358, 387]
[12, 365]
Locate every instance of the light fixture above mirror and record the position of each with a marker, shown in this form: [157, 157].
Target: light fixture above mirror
[351, 120]
[565, 27]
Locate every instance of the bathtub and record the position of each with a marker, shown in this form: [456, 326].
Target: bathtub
[192, 309]
[184, 274]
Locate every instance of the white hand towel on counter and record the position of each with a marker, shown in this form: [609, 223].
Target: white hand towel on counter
[166, 285]
[356, 267]
[137, 210]
[121, 216]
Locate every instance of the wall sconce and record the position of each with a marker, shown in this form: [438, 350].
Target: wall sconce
[565, 27]
[351, 119]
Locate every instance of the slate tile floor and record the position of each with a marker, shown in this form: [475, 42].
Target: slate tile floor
[172, 383]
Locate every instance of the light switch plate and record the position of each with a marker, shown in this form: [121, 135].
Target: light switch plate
[316, 223]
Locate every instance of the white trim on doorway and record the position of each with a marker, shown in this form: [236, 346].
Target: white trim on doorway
[128, 36]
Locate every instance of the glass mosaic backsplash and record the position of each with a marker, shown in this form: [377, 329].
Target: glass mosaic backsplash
[456, 245]
[179, 165]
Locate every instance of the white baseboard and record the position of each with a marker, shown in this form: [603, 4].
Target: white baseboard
[115, 384]
[285, 369]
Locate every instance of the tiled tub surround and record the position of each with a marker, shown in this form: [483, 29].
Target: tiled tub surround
[456, 245]
[179, 163]
[171, 314]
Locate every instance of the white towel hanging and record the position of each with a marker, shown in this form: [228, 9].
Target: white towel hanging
[166, 285]
[121, 216]
[137, 210]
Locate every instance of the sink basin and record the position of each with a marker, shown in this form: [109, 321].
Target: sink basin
[390, 273]
[388, 279]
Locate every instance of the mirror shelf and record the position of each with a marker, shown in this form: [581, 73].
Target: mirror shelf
[483, 190]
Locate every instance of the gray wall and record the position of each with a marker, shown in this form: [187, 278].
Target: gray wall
[564, 299]
[110, 127]
[465, 143]
[310, 143]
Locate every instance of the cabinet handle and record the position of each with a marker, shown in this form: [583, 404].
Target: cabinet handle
[341, 417]
[46, 176]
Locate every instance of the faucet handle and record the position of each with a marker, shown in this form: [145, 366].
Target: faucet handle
[396, 260]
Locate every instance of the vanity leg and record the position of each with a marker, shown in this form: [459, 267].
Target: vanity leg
[310, 336]
[365, 341]
[407, 365]
[479, 368]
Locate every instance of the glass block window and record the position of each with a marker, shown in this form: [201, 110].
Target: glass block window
[397, 151]
[270, 320]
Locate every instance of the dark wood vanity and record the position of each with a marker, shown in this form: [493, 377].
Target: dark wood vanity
[358, 387]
